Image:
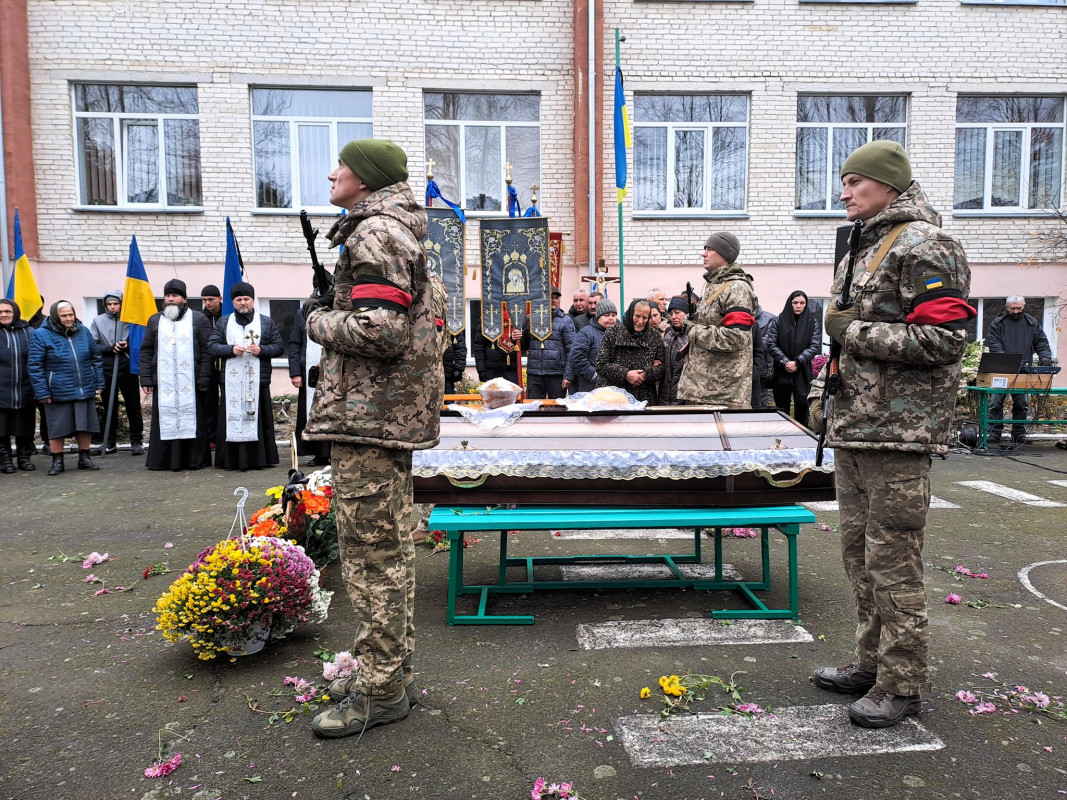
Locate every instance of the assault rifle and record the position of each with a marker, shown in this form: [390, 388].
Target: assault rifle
[322, 280]
[833, 376]
[689, 299]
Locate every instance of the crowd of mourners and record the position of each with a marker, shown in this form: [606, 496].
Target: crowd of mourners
[54, 368]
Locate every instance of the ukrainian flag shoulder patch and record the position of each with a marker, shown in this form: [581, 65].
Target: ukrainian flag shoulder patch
[934, 283]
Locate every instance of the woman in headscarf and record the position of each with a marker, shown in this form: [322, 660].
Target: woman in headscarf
[66, 371]
[18, 412]
[794, 338]
[631, 354]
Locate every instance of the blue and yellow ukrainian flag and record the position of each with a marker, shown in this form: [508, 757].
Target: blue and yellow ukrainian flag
[138, 304]
[22, 288]
[623, 139]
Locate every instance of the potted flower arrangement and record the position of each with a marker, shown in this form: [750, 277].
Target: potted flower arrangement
[310, 520]
[239, 593]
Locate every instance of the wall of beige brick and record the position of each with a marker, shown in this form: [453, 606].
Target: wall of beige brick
[769, 49]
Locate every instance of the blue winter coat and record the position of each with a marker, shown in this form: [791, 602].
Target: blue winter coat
[581, 365]
[550, 356]
[15, 389]
[65, 368]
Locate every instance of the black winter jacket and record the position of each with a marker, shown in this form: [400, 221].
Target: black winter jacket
[15, 389]
[1025, 336]
[550, 356]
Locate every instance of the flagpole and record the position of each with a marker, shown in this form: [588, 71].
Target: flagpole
[622, 280]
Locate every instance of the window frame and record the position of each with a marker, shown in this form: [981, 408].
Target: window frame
[1026, 128]
[294, 122]
[524, 192]
[119, 125]
[832, 181]
[708, 130]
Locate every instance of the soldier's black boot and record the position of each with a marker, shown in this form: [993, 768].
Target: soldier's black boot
[6, 465]
[57, 464]
[84, 462]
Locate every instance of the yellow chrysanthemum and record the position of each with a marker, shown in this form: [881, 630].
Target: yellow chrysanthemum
[646, 693]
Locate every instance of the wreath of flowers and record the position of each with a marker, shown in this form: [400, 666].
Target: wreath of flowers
[237, 590]
[311, 520]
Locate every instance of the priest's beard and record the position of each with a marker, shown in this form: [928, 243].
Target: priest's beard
[172, 312]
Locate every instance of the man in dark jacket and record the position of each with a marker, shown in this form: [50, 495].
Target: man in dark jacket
[1015, 331]
[455, 361]
[300, 351]
[762, 361]
[579, 310]
[490, 361]
[212, 299]
[547, 361]
[174, 369]
[110, 334]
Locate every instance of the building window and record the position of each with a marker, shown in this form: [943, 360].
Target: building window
[297, 134]
[1009, 153]
[829, 128]
[471, 137]
[690, 153]
[137, 147]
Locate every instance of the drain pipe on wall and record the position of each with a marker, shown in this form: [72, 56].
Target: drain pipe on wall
[591, 71]
[7, 266]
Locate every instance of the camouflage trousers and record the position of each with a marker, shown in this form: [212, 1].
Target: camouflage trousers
[372, 494]
[884, 497]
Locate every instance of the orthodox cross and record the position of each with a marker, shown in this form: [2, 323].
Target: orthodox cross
[429, 168]
[507, 172]
[251, 337]
[540, 314]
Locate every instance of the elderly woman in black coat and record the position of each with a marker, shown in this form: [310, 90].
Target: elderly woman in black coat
[18, 412]
[794, 338]
[631, 355]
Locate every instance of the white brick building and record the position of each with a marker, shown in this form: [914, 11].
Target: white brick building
[768, 57]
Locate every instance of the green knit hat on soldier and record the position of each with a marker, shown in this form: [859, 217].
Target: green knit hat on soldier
[376, 162]
[883, 161]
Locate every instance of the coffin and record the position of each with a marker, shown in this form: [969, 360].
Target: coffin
[673, 456]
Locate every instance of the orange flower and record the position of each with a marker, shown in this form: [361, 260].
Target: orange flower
[316, 504]
[267, 527]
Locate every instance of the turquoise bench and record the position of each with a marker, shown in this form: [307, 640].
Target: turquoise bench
[455, 521]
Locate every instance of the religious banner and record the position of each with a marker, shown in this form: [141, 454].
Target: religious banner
[444, 245]
[515, 268]
[555, 259]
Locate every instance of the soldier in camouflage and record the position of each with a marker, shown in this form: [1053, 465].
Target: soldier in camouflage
[378, 399]
[902, 342]
[718, 369]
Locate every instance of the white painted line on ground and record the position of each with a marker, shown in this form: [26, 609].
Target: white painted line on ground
[689, 633]
[644, 572]
[1024, 577]
[1059, 483]
[1010, 494]
[831, 505]
[639, 533]
[792, 733]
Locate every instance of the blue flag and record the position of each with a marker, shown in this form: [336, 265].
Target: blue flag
[235, 269]
[138, 304]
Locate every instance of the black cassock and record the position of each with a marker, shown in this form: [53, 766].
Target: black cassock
[178, 454]
[297, 350]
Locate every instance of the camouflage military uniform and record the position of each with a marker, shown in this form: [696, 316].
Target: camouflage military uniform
[718, 369]
[899, 366]
[379, 396]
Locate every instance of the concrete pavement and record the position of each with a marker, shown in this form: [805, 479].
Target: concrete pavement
[90, 688]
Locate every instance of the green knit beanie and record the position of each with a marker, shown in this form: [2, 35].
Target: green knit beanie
[880, 160]
[376, 162]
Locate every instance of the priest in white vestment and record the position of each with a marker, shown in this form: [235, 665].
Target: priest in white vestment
[245, 341]
[174, 370]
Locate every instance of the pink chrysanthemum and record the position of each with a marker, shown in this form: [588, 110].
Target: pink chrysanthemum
[953, 599]
[164, 769]
[966, 697]
[983, 708]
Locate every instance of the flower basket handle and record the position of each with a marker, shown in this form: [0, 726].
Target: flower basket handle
[240, 524]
